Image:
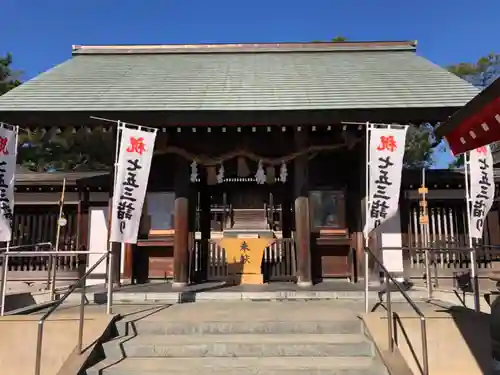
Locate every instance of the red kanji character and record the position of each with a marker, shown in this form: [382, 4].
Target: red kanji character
[3, 145]
[136, 145]
[481, 150]
[387, 143]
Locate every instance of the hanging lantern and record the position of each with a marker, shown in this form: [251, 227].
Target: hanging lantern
[194, 171]
[283, 172]
[260, 176]
[220, 175]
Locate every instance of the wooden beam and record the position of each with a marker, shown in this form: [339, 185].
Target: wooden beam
[181, 223]
[302, 219]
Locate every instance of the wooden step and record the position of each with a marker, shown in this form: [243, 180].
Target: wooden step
[249, 219]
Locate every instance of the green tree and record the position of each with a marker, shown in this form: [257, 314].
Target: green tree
[338, 38]
[54, 150]
[480, 74]
[69, 150]
[418, 148]
[8, 77]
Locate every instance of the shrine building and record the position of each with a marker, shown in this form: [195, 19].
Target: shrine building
[264, 136]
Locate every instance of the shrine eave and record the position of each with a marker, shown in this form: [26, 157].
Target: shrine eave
[476, 124]
[229, 118]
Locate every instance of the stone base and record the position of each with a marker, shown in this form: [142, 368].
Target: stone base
[304, 284]
[253, 279]
[178, 285]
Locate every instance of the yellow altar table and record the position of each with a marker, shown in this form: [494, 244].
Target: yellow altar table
[244, 257]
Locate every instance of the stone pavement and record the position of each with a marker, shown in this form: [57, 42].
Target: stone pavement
[163, 292]
[452, 333]
[18, 340]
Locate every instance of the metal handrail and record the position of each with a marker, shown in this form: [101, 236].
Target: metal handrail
[33, 254]
[80, 283]
[46, 253]
[423, 328]
[40, 244]
[5, 253]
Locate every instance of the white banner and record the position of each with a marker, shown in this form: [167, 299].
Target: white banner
[482, 188]
[386, 151]
[8, 154]
[131, 181]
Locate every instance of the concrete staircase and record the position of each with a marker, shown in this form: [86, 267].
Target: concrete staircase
[289, 338]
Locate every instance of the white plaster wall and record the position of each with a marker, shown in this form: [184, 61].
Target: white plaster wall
[98, 242]
[390, 236]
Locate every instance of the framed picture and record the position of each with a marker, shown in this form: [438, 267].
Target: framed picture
[158, 215]
[327, 209]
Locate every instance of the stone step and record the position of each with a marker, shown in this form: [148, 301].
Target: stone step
[151, 327]
[247, 345]
[241, 366]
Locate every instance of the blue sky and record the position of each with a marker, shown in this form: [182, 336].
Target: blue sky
[40, 33]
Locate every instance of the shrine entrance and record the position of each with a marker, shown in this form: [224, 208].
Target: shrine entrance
[247, 206]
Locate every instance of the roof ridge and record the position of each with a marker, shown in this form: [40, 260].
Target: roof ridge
[244, 47]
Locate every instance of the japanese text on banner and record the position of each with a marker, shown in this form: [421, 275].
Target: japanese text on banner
[482, 188]
[132, 175]
[8, 154]
[386, 150]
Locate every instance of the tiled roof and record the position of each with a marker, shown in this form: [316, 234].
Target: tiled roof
[24, 177]
[290, 76]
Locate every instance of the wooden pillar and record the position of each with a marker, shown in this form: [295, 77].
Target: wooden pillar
[205, 224]
[301, 205]
[357, 189]
[181, 223]
[128, 261]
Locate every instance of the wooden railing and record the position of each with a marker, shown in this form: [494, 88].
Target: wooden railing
[278, 263]
[447, 231]
[35, 224]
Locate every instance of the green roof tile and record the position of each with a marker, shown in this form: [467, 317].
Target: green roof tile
[280, 79]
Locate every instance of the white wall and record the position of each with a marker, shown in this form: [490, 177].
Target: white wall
[390, 236]
[98, 242]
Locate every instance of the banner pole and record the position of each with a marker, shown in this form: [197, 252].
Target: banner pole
[54, 259]
[5, 270]
[110, 213]
[367, 195]
[473, 263]
[425, 230]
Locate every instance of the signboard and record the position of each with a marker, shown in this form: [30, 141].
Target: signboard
[482, 188]
[131, 180]
[386, 151]
[8, 154]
